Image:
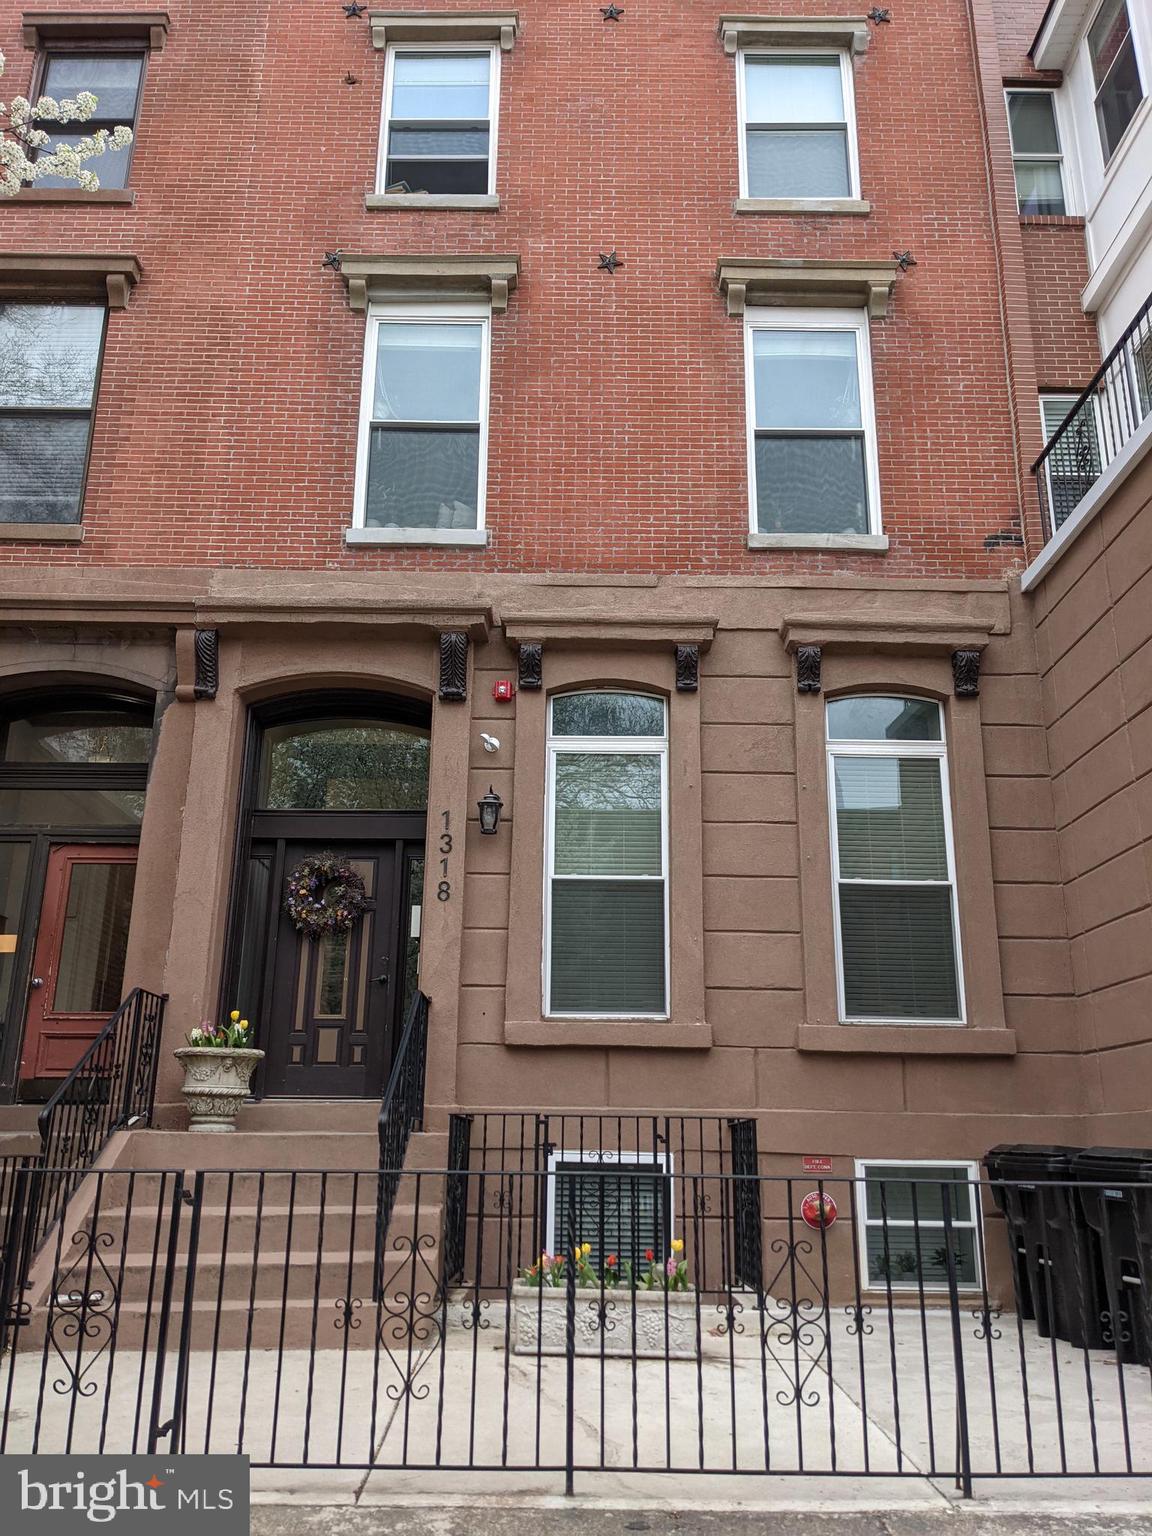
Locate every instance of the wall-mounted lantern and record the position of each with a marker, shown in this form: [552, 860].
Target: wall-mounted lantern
[489, 806]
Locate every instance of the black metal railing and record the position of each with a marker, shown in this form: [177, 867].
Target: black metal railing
[402, 1108]
[16, 1189]
[249, 1312]
[1116, 401]
[111, 1087]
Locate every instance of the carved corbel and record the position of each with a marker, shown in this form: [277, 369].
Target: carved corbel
[808, 659]
[966, 674]
[530, 667]
[687, 668]
[453, 666]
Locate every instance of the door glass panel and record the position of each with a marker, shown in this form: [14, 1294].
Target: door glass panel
[332, 976]
[344, 765]
[13, 874]
[253, 938]
[410, 934]
[79, 736]
[95, 938]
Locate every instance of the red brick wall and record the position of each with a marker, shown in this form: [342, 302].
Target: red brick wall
[226, 427]
[1064, 337]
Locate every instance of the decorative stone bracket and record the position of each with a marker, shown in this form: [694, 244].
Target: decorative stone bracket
[369, 278]
[530, 665]
[453, 666]
[822, 284]
[197, 664]
[40, 27]
[109, 278]
[687, 668]
[849, 32]
[808, 640]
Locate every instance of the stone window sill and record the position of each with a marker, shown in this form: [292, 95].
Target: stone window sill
[854, 205]
[43, 533]
[623, 1034]
[417, 537]
[906, 1040]
[122, 195]
[1055, 220]
[862, 543]
[376, 202]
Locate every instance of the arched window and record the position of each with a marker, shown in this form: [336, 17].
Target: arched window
[605, 945]
[897, 937]
[344, 764]
[74, 760]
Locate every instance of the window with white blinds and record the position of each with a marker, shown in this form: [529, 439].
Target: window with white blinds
[605, 945]
[622, 1208]
[911, 1214]
[896, 926]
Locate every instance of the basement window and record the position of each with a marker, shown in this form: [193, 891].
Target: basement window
[619, 1202]
[905, 1232]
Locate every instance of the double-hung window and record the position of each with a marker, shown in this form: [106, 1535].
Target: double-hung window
[423, 426]
[1115, 73]
[114, 79]
[911, 1214]
[439, 132]
[798, 137]
[49, 360]
[1036, 155]
[811, 426]
[892, 862]
[605, 943]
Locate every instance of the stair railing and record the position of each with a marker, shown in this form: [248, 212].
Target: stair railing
[401, 1112]
[111, 1087]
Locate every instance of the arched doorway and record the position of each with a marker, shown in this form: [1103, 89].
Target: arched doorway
[341, 773]
[73, 776]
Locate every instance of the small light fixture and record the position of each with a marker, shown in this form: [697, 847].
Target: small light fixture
[489, 806]
[491, 743]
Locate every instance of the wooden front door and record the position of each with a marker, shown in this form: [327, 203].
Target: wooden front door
[78, 961]
[332, 1001]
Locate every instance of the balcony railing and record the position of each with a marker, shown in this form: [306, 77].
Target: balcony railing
[1102, 420]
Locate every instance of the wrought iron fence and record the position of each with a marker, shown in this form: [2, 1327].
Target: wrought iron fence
[1116, 401]
[253, 1312]
[111, 1087]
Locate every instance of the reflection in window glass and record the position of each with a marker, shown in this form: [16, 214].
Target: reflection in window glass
[114, 80]
[879, 719]
[796, 132]
[64, 808]
[13, 875]
[414, 907]
[344, 765]
[95, 938]
[607, 714]
[79, 736]
[1115, 73]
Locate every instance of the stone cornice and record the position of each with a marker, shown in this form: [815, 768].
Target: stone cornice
[372, 278]
[110, 277]
[444, 27]
[919, 635]
[849, 32]
[748, 280]
[40, 27]
[608, 628]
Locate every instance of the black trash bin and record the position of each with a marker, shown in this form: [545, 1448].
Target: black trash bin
[1116, 1197]
[1059, 1275]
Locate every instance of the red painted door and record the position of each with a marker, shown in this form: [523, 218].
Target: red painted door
[78, 966]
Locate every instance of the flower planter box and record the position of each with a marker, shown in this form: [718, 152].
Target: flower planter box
[665, 1323]
[216, 1082]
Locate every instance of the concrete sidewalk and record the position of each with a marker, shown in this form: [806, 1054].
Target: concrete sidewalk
[581, 1520]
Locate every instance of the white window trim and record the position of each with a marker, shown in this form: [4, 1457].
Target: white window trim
[1108, 160]
[847, 87]
[422, 314]
[934, 749]
[656, 746]
[1060, 157]
[973, 1223]
[493, 52]
[661, 1161]
[769, 318]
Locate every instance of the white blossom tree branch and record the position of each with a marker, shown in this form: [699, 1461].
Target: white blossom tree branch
[24, 155]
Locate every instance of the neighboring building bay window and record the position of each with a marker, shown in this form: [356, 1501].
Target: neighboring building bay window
[1036, 155]
[911, 1214]
[49, 361]
[897, 937]
[439, 126]
[811, 426]
[797, 134]
[605, 938]
[1115, 73]
[423, 426]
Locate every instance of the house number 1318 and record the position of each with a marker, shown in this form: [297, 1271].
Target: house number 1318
[444, 888]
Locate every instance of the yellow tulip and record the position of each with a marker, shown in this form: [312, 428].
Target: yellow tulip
[234, 1015]
[586, 1249]
[677, 1245]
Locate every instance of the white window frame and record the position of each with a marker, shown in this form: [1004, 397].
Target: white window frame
[933, 749]
[493, 52]
[769, 318]
[1060, 157]
[849, 94]
[420, 314]
[1107, 156]
[656, 746]
[659, 1162]
[974, 1223]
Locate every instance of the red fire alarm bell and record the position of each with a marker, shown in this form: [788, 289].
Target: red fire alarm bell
[813, 1215]
[502, 690]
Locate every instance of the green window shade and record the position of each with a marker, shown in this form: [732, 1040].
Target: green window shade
[898, 952]
[620, 1212]
[607, 953]
[890, 819]
[902, 1258]
[607, 814]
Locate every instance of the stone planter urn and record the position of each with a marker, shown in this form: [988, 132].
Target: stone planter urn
[216, 1083]
[665, 1323]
